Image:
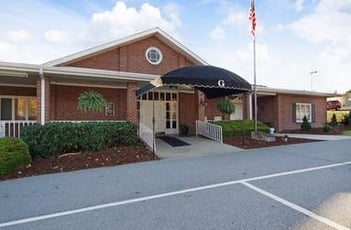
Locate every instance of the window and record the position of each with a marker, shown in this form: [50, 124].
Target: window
[21, 108]
[153, 55]
[303, 109]
[110, 109]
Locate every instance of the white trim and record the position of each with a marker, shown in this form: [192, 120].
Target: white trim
[263, 90]
[88, 85]
[16, 85]
[61, 71]
[13, 74]
[127, 40]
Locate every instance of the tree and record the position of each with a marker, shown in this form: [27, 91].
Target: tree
[305, 126]
[91, 101]
[226, 106]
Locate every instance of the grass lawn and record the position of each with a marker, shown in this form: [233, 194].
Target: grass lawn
[347, 133]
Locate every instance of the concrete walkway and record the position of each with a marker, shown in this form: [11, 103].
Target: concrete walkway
[314, 136]
[198, 147]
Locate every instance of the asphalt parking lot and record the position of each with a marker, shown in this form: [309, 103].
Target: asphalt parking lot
[305, 186]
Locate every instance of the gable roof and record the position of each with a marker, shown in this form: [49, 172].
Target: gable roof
[157, 32]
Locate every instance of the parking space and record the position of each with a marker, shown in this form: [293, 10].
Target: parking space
[306, 187]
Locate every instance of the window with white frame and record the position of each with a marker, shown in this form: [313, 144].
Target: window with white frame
[18, 108]
[153, 55]
[110, 109]
[303, 109]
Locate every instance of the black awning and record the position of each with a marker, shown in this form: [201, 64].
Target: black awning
[212, 81]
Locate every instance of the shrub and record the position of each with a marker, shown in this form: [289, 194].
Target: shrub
[14, 153]
[346, 120]
[226, 106]
[240, 127]
[59, 138]
[305, 126]
[327, 128]
[333, 121]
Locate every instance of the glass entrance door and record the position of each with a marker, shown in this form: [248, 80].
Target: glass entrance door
[171, 117]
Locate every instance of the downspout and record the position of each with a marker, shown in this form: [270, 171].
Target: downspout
[42, 96]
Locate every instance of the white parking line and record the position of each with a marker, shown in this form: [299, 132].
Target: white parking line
[158, 196]
[296, 207]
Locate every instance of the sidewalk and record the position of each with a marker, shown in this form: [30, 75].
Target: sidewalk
[198, 147]
[314, 136]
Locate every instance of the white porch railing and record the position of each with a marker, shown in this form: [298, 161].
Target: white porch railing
[209, 130]
[80, 121]
[13, 128]
[147, 135]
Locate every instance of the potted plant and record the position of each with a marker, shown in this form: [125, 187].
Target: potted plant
[184, 129]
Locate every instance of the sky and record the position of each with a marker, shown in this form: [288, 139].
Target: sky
[300, 44]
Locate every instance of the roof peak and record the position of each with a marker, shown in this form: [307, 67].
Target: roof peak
[129, 39]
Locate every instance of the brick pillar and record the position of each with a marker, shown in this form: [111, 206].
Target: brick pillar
[247, 106]
[132, 113]
[201, 106]
[38, 84]
[47, 99]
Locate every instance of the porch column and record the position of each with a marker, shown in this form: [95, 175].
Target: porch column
[43, 99]
[132, 113]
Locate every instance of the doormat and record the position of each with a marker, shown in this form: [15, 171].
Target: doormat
[175, 142]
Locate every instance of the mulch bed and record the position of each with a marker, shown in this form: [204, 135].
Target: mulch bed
[76, 161]
[248, 143]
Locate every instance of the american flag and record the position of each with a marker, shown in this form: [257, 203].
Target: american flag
[252, 17]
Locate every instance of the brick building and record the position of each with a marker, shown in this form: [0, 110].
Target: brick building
[48, 92]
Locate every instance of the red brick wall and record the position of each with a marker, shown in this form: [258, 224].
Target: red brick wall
[188, 110]
[267, 107]
[131, 58]
[64, 103]
[278, 110]
[211, 109]
[17, 91]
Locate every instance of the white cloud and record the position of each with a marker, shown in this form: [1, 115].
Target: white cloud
[218, 33]
[122, 20]
[299, 5]
[328, 27]
[56, 36]
[18, 36]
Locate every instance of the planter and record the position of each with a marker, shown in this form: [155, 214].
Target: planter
[184, 129]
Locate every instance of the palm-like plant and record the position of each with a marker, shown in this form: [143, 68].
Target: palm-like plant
[91, 101]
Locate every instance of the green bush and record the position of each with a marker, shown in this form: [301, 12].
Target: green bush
[14, 153]
[59, 138]
[226, 106]
[240, 127]
[305, 125]
[327, 128]
[347, 119]
[333, 121]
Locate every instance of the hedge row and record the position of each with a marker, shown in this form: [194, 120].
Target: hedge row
[59, 138]
[240, 127]
[14, 153]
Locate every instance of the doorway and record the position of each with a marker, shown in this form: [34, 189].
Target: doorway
[164, 106]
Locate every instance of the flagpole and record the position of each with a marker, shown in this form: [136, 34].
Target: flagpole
[252, 18]
[255, 86]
